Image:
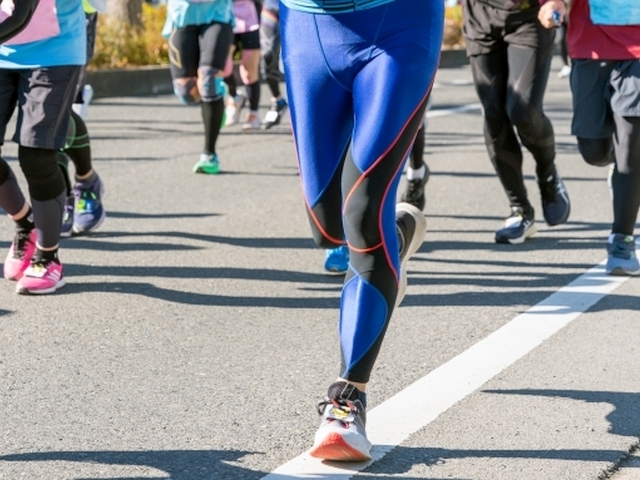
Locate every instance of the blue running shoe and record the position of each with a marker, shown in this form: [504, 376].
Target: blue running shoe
[622, 259]
[337, 259]
[89, 212]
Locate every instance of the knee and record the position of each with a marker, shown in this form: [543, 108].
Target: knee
[523, 116]
[210, 87]
[186, 89]
[40, 168]
[596, 151]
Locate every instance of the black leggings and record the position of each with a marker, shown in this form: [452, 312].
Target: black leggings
[510, 83]
[623, 147]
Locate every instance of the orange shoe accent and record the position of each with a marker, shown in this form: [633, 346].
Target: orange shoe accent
[335, 448]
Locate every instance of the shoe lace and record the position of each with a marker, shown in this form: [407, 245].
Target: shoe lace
[342, 410]
[20, 244]
[38, 263]
[623, 249]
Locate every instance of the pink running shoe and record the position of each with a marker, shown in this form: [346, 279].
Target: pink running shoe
[20, 253]
[42, 276]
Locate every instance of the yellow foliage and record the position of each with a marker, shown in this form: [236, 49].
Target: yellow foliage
[453, 28]
[120, 46]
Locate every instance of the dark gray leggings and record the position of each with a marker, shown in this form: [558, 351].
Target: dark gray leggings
[623, 147]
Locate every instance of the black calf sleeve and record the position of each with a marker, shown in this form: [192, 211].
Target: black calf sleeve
[11, 198]
[63, 163]
[212, 113]
[232, 84]
[78, 145]
[253, 93]
[48, 219]
[40, 167]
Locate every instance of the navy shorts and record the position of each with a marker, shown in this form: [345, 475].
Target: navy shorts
[43, 97]
[600, 88]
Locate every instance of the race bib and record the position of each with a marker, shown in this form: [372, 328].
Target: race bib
[44, 22]
[615, 12]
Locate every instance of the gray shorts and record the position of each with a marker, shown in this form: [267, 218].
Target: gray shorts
[601, 87]
[43, 97]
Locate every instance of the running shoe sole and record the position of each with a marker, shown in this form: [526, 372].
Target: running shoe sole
[25, 291]
[334, 446]
[518, 240]
[80, 231]
[617, 268]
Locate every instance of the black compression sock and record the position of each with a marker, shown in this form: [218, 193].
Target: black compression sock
[253, 93]
[212, 113]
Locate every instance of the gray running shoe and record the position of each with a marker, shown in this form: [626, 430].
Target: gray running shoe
[411, 225]
[622, 258]
[341, 436]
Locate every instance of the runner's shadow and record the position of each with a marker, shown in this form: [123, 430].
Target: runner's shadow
[403, 459]
[624, 419]
[615, 301]
[177, 464]
[190, 298]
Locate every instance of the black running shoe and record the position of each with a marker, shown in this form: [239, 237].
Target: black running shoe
[518, 227]
[414, 193]
[555, 201]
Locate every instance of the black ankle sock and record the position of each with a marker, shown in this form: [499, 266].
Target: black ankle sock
[51, 255]
[25, 224]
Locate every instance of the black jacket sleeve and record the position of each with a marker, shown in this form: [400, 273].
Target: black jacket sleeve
[22, 14]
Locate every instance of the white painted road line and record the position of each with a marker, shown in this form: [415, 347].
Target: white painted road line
[432, 395]
[452, 111]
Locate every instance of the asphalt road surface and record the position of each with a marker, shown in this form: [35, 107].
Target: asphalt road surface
[198, 330]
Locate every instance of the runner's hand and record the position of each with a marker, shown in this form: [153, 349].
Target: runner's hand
[547, 14]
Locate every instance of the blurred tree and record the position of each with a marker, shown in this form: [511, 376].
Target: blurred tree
[127, 12]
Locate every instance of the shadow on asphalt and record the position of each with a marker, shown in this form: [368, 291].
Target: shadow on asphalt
[404, 459]
[178, 464]
[624, 419]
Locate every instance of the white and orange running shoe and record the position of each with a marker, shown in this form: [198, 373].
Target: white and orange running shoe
[341, 436]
